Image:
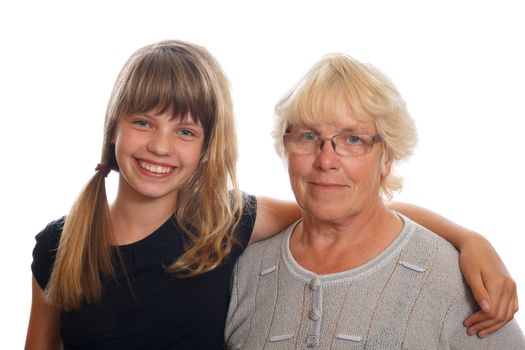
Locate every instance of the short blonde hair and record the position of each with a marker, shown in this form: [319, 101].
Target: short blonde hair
[367, 93]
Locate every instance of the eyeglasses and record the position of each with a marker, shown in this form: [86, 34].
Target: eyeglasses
[344, 144]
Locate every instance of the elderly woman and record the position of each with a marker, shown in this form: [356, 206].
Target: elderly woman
[351, 273]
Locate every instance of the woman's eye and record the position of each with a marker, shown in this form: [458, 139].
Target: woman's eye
[308, 136]
[352, 139]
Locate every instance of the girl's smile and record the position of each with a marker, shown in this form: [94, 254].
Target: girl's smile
[156, 153]
[154, 169]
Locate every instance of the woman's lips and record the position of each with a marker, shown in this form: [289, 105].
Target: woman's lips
[327, 185]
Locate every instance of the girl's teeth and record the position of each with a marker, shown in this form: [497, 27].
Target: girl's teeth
[155, 168]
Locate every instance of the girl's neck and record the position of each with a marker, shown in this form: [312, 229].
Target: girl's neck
[133, 219]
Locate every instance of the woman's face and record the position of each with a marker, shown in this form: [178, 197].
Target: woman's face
[156, 154]
[333, 188]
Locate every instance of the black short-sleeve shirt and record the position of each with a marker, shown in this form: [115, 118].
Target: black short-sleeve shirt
[159, 311]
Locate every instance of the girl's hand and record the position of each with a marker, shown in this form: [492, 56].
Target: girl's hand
[492, 287]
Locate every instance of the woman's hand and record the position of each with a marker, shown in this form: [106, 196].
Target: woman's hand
[492, 287]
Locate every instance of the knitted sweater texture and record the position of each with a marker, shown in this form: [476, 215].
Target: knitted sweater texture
[411, 296]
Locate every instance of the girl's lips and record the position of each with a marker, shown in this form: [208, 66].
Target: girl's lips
[155, 168]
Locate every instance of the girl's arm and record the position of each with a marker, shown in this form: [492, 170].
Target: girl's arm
[44, 323]
[491, 285]
[273, 215]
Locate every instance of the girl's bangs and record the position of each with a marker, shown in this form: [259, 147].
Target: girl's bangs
[160, 83]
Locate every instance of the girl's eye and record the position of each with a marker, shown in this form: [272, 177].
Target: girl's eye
[141, 122]
[186, 132]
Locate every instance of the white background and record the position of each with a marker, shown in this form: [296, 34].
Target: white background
[458, 64]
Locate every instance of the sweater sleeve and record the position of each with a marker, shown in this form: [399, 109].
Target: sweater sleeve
[510, 337]
[45, 250]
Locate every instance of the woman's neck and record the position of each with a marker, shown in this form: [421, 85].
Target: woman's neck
[330, 247]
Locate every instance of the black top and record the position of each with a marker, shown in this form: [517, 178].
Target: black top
[159, 311]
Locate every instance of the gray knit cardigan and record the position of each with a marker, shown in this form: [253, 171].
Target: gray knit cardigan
[411, 296]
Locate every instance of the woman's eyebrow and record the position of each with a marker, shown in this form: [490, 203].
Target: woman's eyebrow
[347, 129]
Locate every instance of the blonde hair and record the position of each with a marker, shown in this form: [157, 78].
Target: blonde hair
[184, 79]
[365, 91]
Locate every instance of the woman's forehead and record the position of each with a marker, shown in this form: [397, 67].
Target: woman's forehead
[338, 125]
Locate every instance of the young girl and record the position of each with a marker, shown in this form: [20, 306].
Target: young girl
[152, 271]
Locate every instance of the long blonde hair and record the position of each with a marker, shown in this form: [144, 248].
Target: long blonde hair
[171, 76]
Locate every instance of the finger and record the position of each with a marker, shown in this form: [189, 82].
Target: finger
[494, 324]
[501, 296]
[483, 332]
[476, 318]
[480, 293]
[511, 311]
[483, 326]
[505, 302]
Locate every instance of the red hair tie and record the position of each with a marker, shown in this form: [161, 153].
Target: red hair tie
[103, 168]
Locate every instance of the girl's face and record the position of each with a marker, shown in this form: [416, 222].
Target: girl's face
[156, 154]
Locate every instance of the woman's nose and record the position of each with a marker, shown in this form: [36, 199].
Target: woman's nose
[326, 157]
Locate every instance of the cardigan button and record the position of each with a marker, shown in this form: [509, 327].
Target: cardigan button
[312, 341]
[315, 284]
[314, 315]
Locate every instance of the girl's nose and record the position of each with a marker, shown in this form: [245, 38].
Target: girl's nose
[160, 143]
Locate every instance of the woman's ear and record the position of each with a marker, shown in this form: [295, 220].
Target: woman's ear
[386, 164]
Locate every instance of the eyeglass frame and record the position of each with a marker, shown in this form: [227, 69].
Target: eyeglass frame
[320, 142]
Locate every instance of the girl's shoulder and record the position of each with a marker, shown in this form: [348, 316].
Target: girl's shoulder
[45, 249]
[249, 206]
[247, 222]
[52, 231]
